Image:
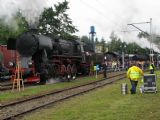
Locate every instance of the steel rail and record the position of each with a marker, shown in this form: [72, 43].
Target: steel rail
[10, 111]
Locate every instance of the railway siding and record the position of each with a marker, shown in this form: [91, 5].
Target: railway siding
[15, 109]
[7, 96]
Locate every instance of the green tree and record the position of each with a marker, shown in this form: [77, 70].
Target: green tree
[4, 32]
[143, 35]
[115, 44]
[123, 47]
[103, 44]
[18, 26]
[85, 39]
[134, 48]
[96, 40]
[155, 39]
[57, 22]
[22, 24]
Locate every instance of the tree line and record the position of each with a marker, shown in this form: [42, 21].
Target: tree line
[52, 21]
[115, 44]
[55, 20]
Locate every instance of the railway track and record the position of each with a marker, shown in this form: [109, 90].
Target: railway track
[11, 110]
[7, 85]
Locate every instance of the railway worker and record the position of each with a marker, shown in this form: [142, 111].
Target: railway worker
[95, 68]
[134, 73]
[91, 72]
[105, 69]
[151, 68]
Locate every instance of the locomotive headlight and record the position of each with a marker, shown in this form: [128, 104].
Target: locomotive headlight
[11, 64]
[30, 63]
[87, 53]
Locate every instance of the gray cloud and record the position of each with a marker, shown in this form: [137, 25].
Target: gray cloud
[105, 15]
[31, 9]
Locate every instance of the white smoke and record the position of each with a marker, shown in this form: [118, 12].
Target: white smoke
[30, 9]
[128, 14]
[114, 15]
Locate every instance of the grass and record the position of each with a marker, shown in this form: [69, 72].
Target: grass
[106, 103]
[29, 91]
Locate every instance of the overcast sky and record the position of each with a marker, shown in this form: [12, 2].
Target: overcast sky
[105, 15]
[114, 15]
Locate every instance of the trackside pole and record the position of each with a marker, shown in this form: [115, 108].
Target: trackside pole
[96, 73]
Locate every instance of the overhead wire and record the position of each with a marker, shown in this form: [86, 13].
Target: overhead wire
[113, 12]
[108, 19]
[99, 2]
[100, 13]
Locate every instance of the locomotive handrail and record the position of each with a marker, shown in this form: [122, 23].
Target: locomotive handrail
[66, 56]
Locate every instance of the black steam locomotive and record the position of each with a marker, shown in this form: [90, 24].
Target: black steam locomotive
[50, 56]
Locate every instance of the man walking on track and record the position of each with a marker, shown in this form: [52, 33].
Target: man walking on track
[134, 73]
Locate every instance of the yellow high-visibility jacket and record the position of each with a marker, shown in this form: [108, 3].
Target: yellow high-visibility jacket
[134, 73]
[95, 68]
[151, 67]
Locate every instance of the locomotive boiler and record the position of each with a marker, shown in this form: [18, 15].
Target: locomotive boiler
[50, 56]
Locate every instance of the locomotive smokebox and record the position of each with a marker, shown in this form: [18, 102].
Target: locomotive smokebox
[27, 44]
[44, 42]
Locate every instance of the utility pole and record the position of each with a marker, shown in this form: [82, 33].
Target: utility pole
[123, 46]
[123, 50]
[151, 46]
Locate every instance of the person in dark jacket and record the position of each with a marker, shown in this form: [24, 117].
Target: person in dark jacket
[105, 69]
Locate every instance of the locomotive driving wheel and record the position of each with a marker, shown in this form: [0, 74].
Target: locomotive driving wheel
[63, 73]
[69, 72]
[74, 71]
[56, 70]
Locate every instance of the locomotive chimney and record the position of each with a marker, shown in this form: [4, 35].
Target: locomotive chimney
[33, 29]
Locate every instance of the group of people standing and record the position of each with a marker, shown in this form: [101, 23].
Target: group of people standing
[134, 73]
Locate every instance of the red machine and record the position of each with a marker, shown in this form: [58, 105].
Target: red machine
[8, 61]
[7, 56]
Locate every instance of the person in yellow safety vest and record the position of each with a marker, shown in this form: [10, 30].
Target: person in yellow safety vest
[95, 69]
[151, 68]
[134, 73]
